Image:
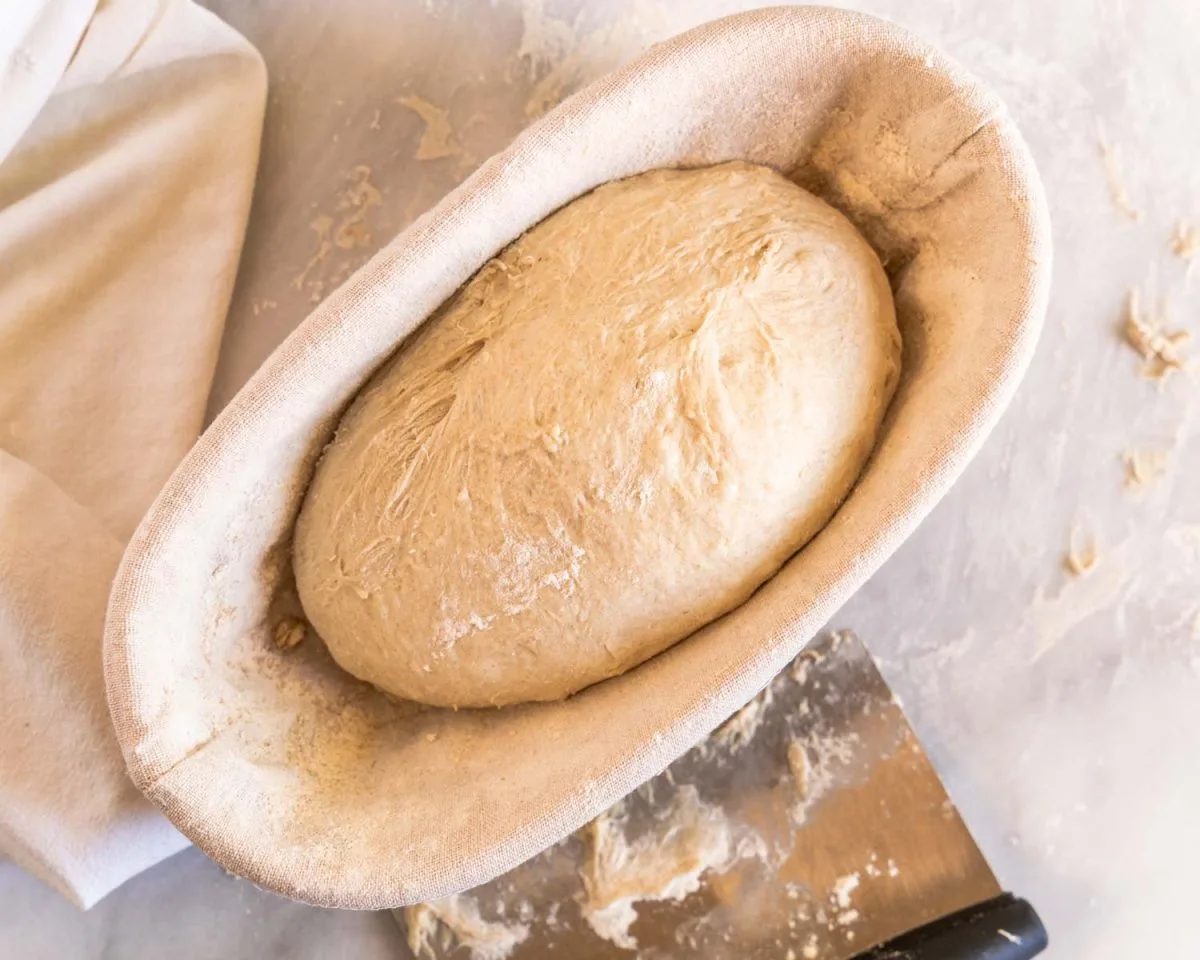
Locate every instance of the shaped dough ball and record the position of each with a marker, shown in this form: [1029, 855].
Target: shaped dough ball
[614, 433]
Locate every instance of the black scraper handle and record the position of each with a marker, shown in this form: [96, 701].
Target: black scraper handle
[1005, 928]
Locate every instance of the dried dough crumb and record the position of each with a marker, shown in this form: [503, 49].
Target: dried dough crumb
[438, 140]
[1081, 559]
[797, 761]
[1163, 350]
[1116, 181]
[1185, 243]
[1144, 467]
[360, 198]
[289, 633]
[321, 226]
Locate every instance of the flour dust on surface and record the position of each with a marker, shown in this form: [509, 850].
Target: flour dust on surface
[709, 858]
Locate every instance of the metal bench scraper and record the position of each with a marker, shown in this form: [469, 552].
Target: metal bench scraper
[812, 826]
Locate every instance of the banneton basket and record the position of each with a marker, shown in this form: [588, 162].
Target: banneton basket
[289, 772]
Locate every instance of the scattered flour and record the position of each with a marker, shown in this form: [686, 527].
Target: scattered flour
[666, 864]
[736, 732]
[1049, 619]
[1114, 172]
[813, 761]
[800, 668]
[843, 889]
[459, 916]
[562, 57]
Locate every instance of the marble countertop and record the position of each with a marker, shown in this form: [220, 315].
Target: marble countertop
[1063, 712]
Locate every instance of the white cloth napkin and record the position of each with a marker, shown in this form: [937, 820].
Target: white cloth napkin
[129, 136]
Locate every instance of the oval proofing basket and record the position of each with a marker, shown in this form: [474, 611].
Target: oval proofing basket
[289, 772]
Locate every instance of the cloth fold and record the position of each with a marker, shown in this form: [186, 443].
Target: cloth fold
[125, 186]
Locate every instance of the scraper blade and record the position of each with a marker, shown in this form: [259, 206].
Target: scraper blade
[827, 832]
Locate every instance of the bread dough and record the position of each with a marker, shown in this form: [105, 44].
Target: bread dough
[614, 433]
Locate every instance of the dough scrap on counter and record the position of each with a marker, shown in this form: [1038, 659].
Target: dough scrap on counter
[797, 761]
[346, 230]
[1163, 350]
[1185, 242]
[360, 198]
[1144, 467]
[1115, 175]
[1081, 557]
[438, 140]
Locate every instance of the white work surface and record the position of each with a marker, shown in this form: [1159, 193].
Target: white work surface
[1063, 713]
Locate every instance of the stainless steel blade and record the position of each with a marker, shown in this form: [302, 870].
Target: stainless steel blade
[847, 839]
